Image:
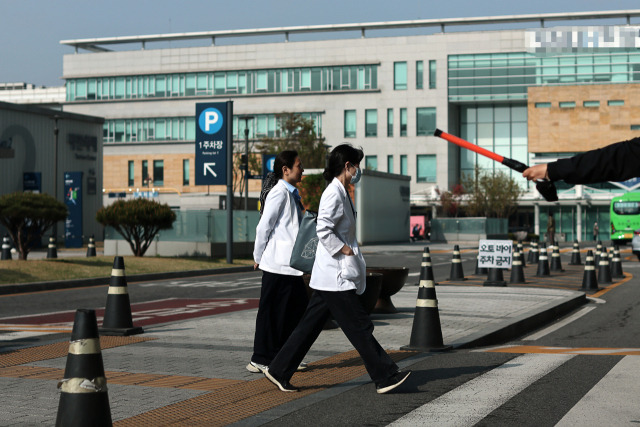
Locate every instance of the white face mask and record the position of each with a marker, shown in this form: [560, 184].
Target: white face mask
[355, 178]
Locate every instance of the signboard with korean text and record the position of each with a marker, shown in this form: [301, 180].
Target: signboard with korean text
[212, 142]
[495, 253]
[73, 200]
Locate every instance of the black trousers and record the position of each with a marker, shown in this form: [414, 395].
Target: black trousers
[354, 322]
[283, 300]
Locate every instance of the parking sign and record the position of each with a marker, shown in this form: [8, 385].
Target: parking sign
[213, 139]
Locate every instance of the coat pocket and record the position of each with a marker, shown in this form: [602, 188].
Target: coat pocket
[282, 252]
[352, 268]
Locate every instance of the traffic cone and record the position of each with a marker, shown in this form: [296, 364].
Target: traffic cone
[426, 333]
[480, 271]
[426, 268]
[604, 272]
[598, 252]
[616, 264]
[575, 254]
[517, 268]
[117, 314]
[83, 399]
[52, 251]
[543, 262]
[521, 250]
[456, 265]
[589, 280]
[495, 278]
[6, 248]
[534, 253]
[91, 247]
[556, 263]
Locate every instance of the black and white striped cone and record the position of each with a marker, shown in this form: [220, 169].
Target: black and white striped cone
[543, 262]
[426, 268]
[616, 264]
[604, 271]
[575, 255]
[521, 250]
[6, 248]
[495, 278]
[117, 313]
[556, 263]
[598, 252]
[517, 268]
[91, 247]
[426, 333]
[52, 251]
[456, 265]
[589, 280]
[534, 253]
[480, 271]
[83, 399]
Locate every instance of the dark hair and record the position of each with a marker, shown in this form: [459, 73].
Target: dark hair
[285, 158]
[339, 156]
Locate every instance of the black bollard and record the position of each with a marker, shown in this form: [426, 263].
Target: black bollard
[517, 270]
[543, 262]
[456, 265]
[589, 280]
[575, 255]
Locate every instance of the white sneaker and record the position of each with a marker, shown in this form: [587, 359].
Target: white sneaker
[256, 368]
[302, 367]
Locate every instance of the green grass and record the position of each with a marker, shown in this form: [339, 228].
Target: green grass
[15, 271]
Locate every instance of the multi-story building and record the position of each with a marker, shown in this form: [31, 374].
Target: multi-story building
[529, 94]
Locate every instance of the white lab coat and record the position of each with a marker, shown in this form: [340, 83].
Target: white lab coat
[332, 270]
[276, 232]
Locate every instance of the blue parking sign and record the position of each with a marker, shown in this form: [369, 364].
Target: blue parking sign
[213, 139]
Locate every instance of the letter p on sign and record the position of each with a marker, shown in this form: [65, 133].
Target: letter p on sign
[210, 121]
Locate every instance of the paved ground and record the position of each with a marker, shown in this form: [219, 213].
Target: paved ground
[193, 371]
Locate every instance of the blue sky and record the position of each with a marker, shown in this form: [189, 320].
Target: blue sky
[31, 30]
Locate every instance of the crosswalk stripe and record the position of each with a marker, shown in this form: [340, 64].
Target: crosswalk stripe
[471, 402]
[528, 349]
[613, 401]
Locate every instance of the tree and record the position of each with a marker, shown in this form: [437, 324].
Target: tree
[27, 216]
[493, 195]
[451, 200]
[138, 221]
[311, 189]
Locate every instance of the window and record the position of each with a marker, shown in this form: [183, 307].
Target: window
[615, 103]
[591, 104]
[389, 122]
[390, 164]
[567, 104]
[400, 76]
[425, 121]
[404, 167]
[371, 162]
[130, 171]
[145, 173]
[158, 173]
[426, 168]
[349, 123]
[371, 123]
[419, 75]
[543, 105]
[185, 172]
[403, 122]
[635, 127]
[432, 74]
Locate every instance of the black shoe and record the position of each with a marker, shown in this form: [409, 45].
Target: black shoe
[282, 385]
[392, 382]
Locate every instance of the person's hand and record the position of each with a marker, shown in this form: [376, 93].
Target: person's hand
[255, 265]
[346, 250]
[536, 172]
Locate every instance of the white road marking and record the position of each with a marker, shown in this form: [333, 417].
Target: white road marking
[471, 402]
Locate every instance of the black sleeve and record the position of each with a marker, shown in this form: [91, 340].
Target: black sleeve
[616, 162]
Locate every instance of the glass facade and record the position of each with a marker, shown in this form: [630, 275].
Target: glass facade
[349, 123]
[399, 76]
[432, 74]
[419, 74]
[371, 123]
[158, 173]
[245, 82]
[425, 121]
[404, 166]
[390, 164]
[389, 122]
[371, 162]
[506, 76]
[184, 128]
[426, 168]
[130, 169]
[185, 172]
[403, 122]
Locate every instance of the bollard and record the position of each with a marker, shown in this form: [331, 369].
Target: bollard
[456, 265]
[117, 313]
[521, 250]
[589, 280]
[598, 252]
[517, 270]
[91, 247]
[52, 251]
[426, 268]
[575, 254]
[480, 271]
[533, 253]
[616, 264]
[495, 278]
[6, 248]
[543, 262]
[604, 272]
[556, 263]
[83, 399]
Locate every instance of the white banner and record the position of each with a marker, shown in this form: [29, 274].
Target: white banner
[495, 253]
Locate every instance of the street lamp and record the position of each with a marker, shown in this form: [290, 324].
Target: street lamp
[246, 161]
[56, 131]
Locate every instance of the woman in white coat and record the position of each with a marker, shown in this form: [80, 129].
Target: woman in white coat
[338, 276]
[283, 296]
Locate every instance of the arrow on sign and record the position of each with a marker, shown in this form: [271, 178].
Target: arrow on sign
[207, 167]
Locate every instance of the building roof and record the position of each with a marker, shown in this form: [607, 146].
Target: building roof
[98, 44]
[48, 112]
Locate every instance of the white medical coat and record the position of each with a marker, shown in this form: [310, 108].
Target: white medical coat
[332, 270]
[276, 232]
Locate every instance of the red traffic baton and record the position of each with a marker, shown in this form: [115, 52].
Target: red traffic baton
[545, 187]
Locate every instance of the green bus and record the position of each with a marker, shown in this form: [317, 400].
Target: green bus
[625, 216]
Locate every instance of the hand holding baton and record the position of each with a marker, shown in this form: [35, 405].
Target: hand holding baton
[545, 187]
